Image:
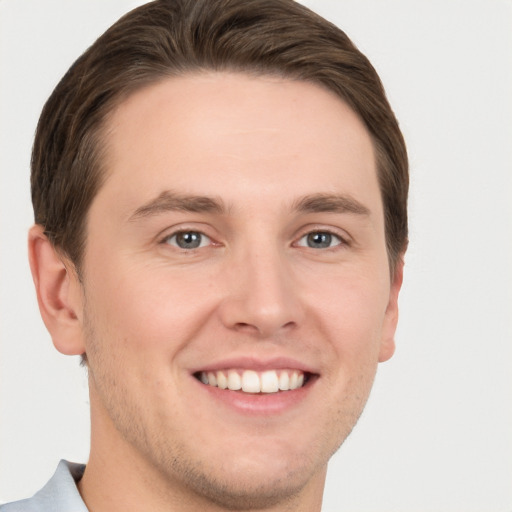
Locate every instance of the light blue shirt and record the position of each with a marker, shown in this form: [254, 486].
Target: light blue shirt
[60, 494]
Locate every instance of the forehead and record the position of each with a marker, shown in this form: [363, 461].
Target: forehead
[239, 137]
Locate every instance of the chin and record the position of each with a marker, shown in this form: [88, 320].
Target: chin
[251, 489]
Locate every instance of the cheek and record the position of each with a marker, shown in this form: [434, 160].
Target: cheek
[146, 308]
[351, 308]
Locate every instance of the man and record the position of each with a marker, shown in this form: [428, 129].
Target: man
[220, 192]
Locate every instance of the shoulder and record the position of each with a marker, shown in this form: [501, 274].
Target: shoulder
[60, 494]
[27, 505]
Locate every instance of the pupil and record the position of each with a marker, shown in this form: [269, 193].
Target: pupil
[188, 240]
[319, 240]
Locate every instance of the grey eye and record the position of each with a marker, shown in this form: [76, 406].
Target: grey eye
[320, 240]
[189, 240]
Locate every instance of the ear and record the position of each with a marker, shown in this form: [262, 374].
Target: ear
[58, 292]
[387, 347]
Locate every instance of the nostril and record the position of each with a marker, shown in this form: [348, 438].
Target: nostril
[245, 327]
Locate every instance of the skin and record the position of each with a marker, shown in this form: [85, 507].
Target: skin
[150, 314]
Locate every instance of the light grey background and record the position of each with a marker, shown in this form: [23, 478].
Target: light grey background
[437, 431]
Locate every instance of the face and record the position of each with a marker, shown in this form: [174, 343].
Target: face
[238, 241]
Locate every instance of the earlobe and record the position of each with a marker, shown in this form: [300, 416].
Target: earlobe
[58, 293]
[387, 347]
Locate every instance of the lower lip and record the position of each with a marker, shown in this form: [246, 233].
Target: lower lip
[259, 403]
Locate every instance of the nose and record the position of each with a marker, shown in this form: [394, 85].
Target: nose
[261, 296]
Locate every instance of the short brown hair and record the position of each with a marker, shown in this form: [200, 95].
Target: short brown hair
[168, 38]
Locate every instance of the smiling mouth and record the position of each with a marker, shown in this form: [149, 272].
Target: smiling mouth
[250, 381]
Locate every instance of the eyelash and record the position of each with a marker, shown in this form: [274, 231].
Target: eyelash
[168, 238]
[205, 240]
[340, 240]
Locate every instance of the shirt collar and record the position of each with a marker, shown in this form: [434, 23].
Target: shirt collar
[61, 494]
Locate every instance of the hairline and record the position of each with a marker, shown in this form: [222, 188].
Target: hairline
[101, 132]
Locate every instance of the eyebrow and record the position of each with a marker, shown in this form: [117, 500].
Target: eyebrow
[315, 203]
[330, 203]
[171, 201]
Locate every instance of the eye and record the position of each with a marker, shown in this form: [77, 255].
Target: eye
[320, 240]
[188, 240]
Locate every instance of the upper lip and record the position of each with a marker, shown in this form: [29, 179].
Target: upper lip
[258, 364]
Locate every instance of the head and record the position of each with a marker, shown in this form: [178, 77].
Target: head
[220, 193]
[170, 38]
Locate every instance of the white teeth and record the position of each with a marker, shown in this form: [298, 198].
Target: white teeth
[250, 381]
[222, 381]
[234, 381]
[284, 381]
[269, 382]
[294, 380]
[212, 379]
